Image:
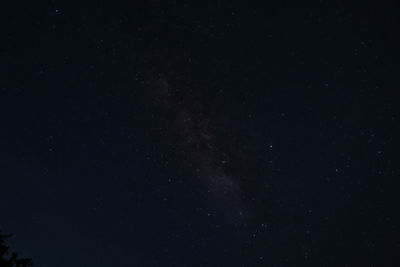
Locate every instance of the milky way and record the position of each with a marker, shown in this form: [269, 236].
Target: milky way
[197, 132]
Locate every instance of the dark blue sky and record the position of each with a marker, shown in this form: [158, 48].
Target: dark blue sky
[200, 134]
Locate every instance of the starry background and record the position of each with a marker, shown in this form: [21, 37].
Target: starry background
[174, 133]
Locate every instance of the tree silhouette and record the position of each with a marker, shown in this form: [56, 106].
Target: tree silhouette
[13, 260]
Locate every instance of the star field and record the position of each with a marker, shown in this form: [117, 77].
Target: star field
[200, 134]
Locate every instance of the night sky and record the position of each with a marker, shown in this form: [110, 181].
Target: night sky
[200, 133]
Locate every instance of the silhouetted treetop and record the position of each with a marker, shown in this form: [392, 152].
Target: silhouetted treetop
[7, 260]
